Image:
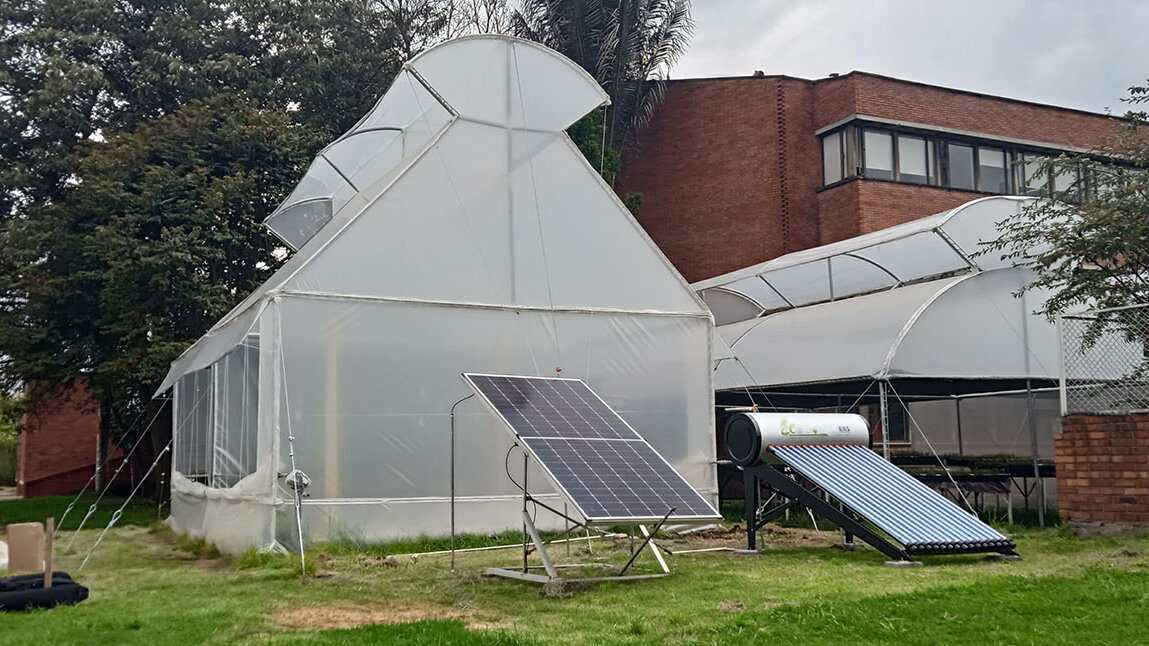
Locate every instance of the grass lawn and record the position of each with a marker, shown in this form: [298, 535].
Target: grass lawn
[149, 587]
[22, 510]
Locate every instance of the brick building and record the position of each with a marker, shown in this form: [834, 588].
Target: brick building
[736, 171]
[56, 446]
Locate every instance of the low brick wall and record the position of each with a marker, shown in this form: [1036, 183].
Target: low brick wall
[1103, 471]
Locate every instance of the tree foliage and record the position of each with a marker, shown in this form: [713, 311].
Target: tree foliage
[629, 46]
[142, 144]
[1089, 244]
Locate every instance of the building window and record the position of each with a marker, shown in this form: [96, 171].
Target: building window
[913, 160]
[991, 175]
[832, 158]
[1066, 185]
[959, 166]
[911, 155]
[1034, 180]
[878, 151]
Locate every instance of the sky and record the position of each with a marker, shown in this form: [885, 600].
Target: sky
[1079, 54]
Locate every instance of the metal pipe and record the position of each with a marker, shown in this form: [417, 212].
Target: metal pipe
[524, 511]
[883, 405]
[453, 478]
[506, 547]
[957, 410]
[1033, 447]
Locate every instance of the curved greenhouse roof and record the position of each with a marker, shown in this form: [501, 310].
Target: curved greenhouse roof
[962, 327]
[943, 244]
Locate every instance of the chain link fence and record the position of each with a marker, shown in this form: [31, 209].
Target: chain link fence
[1105, 361]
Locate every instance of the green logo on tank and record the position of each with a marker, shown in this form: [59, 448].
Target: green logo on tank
[790, 428]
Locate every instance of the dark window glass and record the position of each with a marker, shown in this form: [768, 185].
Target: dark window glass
[1065, 185]
[959, 160]
[991, 170]
[831, 158]
[932, 161]
[912, 162]
[879, 152]
[1034, 178]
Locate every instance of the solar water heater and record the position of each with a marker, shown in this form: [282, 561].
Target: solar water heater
[823, 462]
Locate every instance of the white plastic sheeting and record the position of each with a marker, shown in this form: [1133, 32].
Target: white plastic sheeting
[934, 246]
[965, 327]
[468, 235]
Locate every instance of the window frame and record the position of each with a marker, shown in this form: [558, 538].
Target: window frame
[853, 158]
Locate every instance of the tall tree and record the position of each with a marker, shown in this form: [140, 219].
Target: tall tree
[141, 144]
[1089, 242]
[158, 239]
[629, 46]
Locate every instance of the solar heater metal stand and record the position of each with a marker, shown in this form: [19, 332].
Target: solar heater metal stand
[799, 495]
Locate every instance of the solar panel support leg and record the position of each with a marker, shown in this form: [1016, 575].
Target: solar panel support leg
[786, 486]
[539, 546]
[649, 537]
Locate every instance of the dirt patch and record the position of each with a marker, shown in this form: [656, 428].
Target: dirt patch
[212, 565]
[731, 605]
[735, 536]
[327, 617]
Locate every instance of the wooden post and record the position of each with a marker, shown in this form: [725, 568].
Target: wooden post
[48, 552]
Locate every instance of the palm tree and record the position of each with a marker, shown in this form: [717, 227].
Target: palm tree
[629, 46]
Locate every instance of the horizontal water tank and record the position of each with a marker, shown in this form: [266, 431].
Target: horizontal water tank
[748, 434]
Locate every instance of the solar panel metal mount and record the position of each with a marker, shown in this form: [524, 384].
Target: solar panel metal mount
[598, 462]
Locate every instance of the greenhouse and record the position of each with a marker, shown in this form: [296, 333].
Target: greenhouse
[455, 228]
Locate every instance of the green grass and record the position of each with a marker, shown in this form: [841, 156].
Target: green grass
[149, 586]
[25, 510]
[353, 545]
[419, 633]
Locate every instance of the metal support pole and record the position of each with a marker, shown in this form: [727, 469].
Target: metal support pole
[883, 405]
[567, 533]
[750, 492]
[453, 479]
[1033, 448]
[957, 410]
[525, 516]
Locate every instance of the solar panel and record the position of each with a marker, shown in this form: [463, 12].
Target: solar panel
[605, 468]
[897, 503]
[551, 407]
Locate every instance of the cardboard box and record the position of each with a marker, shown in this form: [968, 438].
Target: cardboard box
[26, 547]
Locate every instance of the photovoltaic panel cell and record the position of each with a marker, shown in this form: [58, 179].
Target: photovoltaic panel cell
[551, 407]
[605, 468]
[899, 504]
[617, 479]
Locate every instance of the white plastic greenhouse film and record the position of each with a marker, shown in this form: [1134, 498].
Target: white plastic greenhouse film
[369, 386]
[978, 329]
[241, 515]
[845, 339]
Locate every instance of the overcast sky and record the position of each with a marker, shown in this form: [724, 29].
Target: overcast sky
[1073, 53]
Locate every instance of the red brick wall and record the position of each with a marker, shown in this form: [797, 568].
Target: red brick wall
[56, 446]
[896, 99]
[707, 177]
[729, 169]
[1103, 468]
